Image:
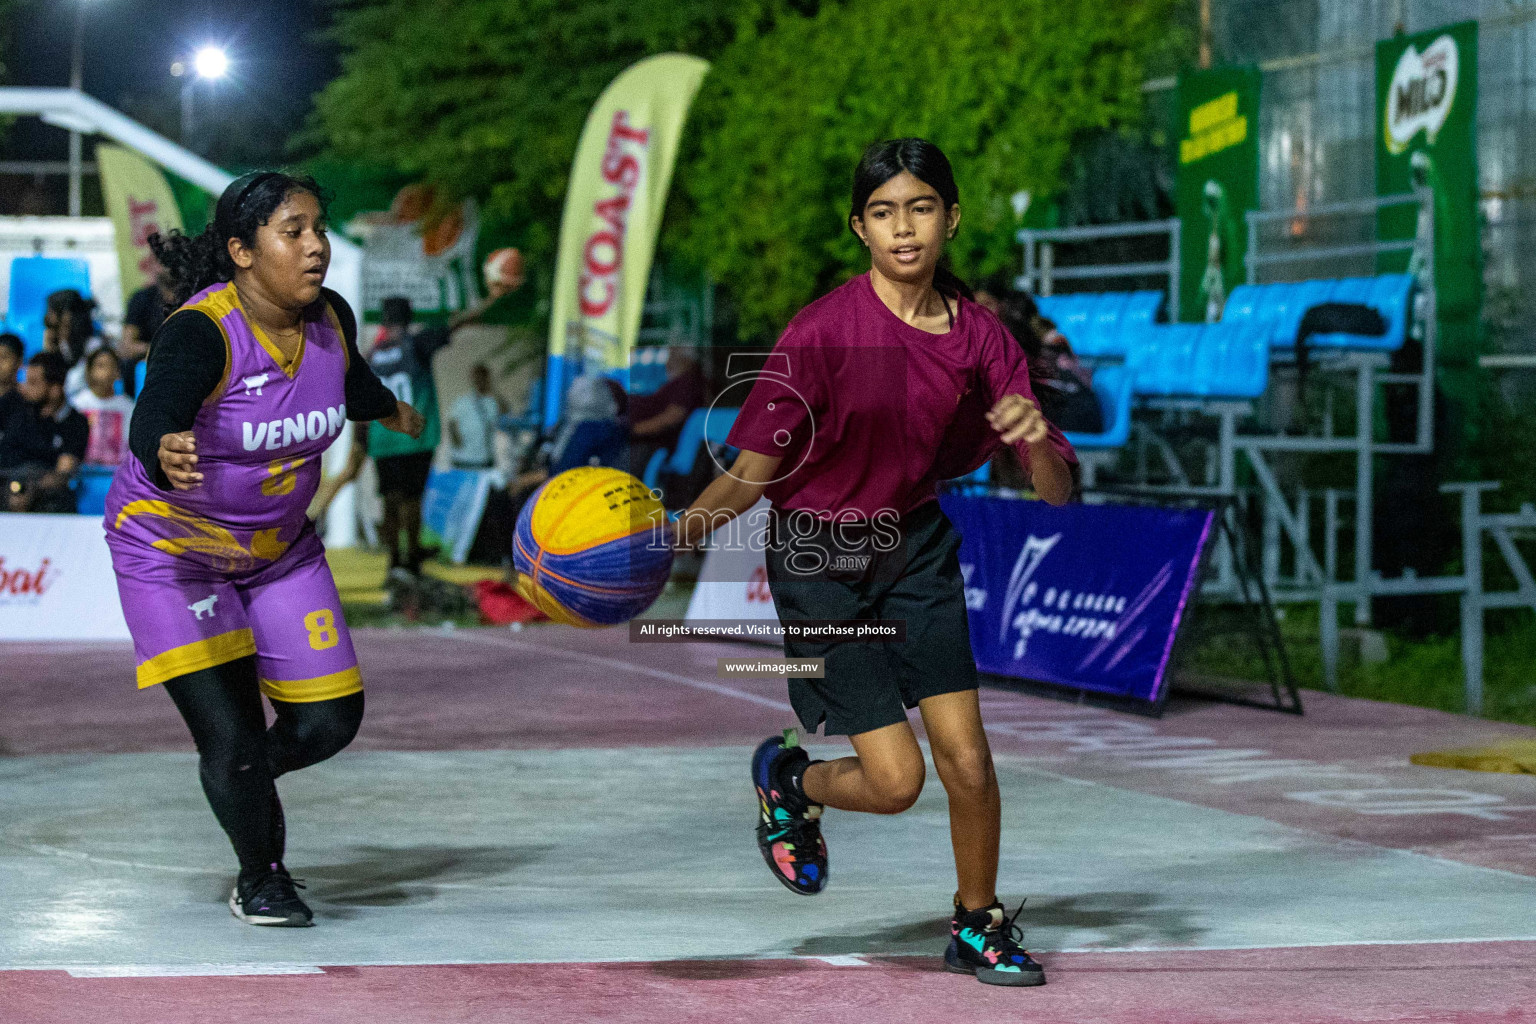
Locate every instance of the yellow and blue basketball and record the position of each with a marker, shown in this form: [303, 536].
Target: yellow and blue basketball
[592, 547]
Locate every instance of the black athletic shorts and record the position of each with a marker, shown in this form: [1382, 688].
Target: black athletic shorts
[819, 575]
[404, 475]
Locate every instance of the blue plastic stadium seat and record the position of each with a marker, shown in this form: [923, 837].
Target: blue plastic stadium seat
[652, 475]
[1305, 295]
[647, 369]
[1102, 325]
[1142, 308]
[1069, 312]
[1106, 319]
[33, 279]
[91, 486]
[1277, 309]
[1162, 361]
[702, 425]
[1241, 360]
[1387, 294]
[1112, 386]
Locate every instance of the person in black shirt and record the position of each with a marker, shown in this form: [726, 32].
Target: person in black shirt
[42, 439]
[11, 354]
[145, 313]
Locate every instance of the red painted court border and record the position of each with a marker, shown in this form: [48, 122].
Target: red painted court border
[1464, 983]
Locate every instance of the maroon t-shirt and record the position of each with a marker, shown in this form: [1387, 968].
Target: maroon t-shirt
[868, 413]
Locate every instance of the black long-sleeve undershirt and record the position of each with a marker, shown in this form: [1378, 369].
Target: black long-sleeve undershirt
[187, 361]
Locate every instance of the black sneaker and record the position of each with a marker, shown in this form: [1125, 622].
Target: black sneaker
[789, 825]
[270, 898]
[985, 943]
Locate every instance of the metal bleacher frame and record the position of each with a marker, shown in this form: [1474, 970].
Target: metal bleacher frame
[1291, 522]
[1041, 273]
[1282, 522]
[1316, 574]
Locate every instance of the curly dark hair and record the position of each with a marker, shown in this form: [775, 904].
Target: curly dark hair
[193, 262]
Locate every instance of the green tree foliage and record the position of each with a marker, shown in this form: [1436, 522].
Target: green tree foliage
[487, 98]
[1003, 86]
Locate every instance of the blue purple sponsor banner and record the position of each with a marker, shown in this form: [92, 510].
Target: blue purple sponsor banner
[1086, 596]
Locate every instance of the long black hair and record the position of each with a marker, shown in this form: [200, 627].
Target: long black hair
[194, 262]
[928, 164]
[1021, 316]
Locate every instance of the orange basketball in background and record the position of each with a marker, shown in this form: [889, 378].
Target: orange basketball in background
[504, 267]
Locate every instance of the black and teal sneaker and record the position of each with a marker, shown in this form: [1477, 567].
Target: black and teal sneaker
[789, 825]
[270, 898]
[985, 943]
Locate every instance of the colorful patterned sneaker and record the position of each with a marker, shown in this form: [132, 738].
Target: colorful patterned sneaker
[985, 943]
[270, 898]
[789, 825]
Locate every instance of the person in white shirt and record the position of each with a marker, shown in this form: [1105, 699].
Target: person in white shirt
[472, 422]
[107, 412]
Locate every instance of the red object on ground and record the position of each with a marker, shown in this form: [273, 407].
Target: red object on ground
[500, 604]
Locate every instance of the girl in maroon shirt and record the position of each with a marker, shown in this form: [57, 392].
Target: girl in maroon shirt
[876, 392]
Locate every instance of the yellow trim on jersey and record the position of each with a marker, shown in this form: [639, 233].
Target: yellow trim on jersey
[196, 656]
[215, 306]
[308, 691]
[290, 369]
[346, 353]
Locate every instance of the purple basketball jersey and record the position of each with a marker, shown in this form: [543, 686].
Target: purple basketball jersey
[259, 437]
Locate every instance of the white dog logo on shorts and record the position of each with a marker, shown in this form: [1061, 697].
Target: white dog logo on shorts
[205, 605]
[257, 382]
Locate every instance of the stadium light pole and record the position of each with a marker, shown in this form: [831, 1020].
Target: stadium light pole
[77, 83]
[208, 63]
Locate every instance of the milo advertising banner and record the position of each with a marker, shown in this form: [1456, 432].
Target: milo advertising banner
[1426, 116]
[1218, 181]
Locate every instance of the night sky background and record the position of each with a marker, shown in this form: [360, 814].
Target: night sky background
[277, 62]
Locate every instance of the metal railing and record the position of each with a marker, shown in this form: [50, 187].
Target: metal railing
[1041, 273]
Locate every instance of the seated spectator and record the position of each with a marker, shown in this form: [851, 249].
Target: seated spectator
[655, 420]
[70, 330]
[472, 422]
[12, 352]
[589, 434]
[1063, 387]
[42, 439]
[106, 411]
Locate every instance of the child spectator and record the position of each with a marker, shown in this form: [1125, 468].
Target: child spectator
[106, 411]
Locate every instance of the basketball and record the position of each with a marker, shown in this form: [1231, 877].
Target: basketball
[592, 547]
[504, 266]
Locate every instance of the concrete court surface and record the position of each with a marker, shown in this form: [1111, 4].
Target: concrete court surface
[555, 825]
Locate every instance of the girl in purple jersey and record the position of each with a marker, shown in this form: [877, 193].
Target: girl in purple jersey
[876, 392]
[223, 580]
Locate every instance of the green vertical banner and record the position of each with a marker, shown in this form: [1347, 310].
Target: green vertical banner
[1218, 182]
[1426, 116]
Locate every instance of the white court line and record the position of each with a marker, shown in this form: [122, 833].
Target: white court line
[627, 666]
[282, 968]
[43, 850]
[187, 970]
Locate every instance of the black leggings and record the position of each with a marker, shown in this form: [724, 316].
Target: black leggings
[239, 757]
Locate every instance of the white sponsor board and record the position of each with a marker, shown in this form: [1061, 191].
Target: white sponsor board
[56, 580]
[733, 583]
